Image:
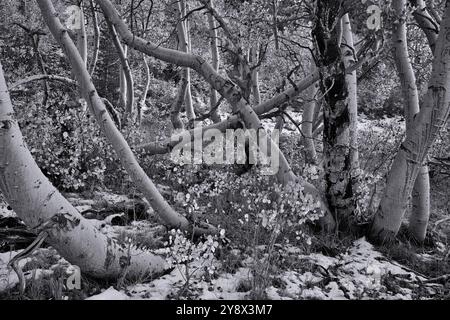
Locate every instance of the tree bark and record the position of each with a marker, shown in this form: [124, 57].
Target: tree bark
[426, 22]
[349, 57]
[307, 126]
[339, 187]
[95, 26]
[215, 63]
[42, 77]
[420, 212]
[178, 102]
[275, 23]
[255, 75]
[225, 87]
[165, 146]
[36, 201]
[128, 160]
[420, 135]
[81, 35]
[126, 78]
[183, 41]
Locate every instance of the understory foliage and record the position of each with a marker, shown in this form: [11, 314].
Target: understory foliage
[253, 212]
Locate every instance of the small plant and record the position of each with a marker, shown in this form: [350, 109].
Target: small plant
[183, 252]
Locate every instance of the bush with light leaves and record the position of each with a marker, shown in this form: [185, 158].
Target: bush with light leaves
[193, 256]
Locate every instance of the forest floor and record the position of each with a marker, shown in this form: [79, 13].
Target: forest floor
[354, 271]
[331, 268]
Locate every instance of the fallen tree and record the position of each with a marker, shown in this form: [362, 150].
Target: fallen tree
[44, 210]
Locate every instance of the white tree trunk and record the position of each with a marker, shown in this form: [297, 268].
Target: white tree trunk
[36, 201]
[178, 101]
[145, 89]
[183, 41]
[420, 212]
[349, 57]
[128, 160]
[81, 35]
[307, 125]
[225, 87]
[339, 183]
[95, 26]
[420, 135]
[215, 63]
[126, 78]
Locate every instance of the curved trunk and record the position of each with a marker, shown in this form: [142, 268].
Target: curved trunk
[36, 201]
[128, 160]
[421, 190]
[225, 87]
[307, 125]
[42, 77]
[165, 146]
[420, 135]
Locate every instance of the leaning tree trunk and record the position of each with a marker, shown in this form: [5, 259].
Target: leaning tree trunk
[339, 185]
[215, 63]
[36, 201]
[97, 106]
[225, 87]
[145, 89]
[420, 135]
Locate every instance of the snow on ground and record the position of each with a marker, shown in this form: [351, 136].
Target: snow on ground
[359, 273]
[355, 274]
[8, 278]
[41, 258]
